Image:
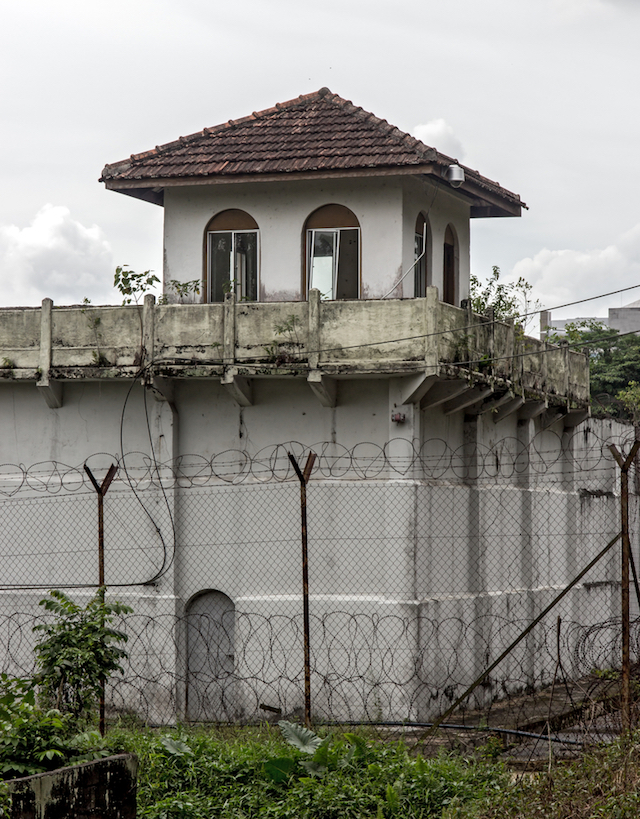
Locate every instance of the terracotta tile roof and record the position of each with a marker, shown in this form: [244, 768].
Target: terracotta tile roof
[312, 133]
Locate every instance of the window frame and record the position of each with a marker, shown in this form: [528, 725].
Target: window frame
[450, 266]
[421, 266]
[337, 232]
[336, 219]
[239, 287]
[229, 221]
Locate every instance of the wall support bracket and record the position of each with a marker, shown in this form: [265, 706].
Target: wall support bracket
[444, 391]
[507, 409]
[531, 409]
[324, 388]
[416, 387]
[466, 399]
[575, 417]
[51, 391]
[491, 405]
[48, 388]
[238, 387]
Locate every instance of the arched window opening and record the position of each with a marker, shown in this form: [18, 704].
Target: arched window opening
[450, 271]
[332, 252]
[232, 256]
[210, 692]
[420, 257]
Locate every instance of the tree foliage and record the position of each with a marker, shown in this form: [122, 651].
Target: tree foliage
[614, 362]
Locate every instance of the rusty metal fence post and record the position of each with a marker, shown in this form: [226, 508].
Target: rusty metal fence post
[303, 477]
[101, 490]
[625, 682]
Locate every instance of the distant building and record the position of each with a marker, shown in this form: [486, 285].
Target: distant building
[623, 319]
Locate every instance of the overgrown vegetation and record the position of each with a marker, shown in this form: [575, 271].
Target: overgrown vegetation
[48, 720]
[285, 348]
[507, 300]
[131, 285]
[93, 323]
[79, 650]
[184, 775]
[604, 782]
[293, 773]
[253, 772]
[183, 290]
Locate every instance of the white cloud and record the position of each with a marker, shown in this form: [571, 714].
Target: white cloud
[560, 276]
[55, 256]
[438, 134]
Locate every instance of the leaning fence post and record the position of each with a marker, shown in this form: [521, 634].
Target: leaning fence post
[101, 490]
[303, 477]
[625, 682]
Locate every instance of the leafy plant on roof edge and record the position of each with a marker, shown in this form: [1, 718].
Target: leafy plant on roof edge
[508, 300]
[132, 285]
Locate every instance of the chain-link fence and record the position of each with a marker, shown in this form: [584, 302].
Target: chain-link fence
[426, 564]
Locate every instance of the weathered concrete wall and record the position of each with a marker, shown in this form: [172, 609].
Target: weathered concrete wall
[438, 515]
[419, 337]
[105, 788]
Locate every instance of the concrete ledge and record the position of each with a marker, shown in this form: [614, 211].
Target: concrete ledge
[419, 338]
[104, 788]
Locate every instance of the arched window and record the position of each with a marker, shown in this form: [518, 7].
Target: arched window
[332, 252]
[210, 694]
[232, 256]
[450, 267]
[420, 257]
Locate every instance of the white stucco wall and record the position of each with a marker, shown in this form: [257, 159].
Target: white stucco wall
[386, 208]
[441, 207]
[421, 542]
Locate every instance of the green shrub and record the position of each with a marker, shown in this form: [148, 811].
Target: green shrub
[33, 740]
[79, 652]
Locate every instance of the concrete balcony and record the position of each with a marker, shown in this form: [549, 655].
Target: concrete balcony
[444, 354]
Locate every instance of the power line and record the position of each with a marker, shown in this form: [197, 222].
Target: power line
[485, 323]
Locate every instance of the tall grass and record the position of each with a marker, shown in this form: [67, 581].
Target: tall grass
[184, 775]
[222, 774]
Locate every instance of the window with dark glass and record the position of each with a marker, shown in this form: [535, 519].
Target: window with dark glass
[232, 256]
[449, 273]
[420, 257]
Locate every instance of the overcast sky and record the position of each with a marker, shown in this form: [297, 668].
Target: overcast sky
[539, 95]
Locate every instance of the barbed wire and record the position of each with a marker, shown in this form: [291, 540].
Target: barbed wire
[432, 459]
[365, 668]
[416, 583]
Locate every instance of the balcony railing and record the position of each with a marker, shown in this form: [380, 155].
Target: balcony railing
[376, 338]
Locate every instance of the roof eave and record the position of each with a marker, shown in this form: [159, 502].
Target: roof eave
[152, 194]
[484, 203]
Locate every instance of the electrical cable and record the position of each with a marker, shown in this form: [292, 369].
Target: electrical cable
[218, 361]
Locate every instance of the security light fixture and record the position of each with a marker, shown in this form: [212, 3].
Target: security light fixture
[455, 175]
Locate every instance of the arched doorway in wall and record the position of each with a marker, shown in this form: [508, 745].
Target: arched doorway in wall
[332, 252]
[421, 240]
[211, 689]
[231, 256]
[450, 266]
